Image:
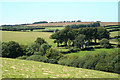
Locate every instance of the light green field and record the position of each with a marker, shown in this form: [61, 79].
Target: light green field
[50, 28]
[15, 68]
[115, 33]
[95, 51]
[25, 37]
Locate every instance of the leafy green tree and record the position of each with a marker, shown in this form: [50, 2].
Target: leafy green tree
[42, 49]
[40, 41]
[53, 54]
[33, 47]
[79, 41]
[11, 49]
[105, 43]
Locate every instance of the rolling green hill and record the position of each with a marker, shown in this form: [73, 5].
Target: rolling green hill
[15, 68]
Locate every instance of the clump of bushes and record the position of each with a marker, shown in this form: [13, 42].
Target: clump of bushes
[38, 58]
[104, 43]
[11, 49]
[41, 51]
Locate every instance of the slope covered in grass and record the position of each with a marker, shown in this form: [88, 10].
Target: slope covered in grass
[15, 68]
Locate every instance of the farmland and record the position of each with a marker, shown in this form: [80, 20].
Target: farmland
[15, 68]
[22, 68]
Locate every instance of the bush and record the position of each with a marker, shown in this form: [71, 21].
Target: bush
[11, 49]
[53, 54]
[23, 57]
[42, 49]
[104, 43]
[40, 41]
[53, 61]
[33, 47]
[38, 58]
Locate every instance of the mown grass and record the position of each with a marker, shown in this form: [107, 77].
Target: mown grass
[15, 68]
[94, 51]
[25, 38]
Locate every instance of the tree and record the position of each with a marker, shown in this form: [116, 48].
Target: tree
[42, 49]
[33, 47]
[11, 49]
[53, 54]
[40, 41]
[105, 43]
[80, 41]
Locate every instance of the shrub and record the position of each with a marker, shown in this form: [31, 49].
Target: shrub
[53, 54]
[105, 43]
[38, 58]
[11, 49]
[53, 61]
[33, 47]
[40, 41]
[42, 49]
[23, 57]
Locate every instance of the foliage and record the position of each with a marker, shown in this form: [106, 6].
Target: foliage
[104, 43]
[103, 61]
[38, 58]
[70, 33]
[11, 49]
[53, 54]
[40, 41]
[42, 49]
[33, 47]
[23, 57]
[79, 41]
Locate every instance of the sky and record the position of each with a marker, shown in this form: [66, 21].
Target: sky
[32, 11]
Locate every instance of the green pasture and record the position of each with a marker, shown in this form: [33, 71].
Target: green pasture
[15, 68]
[114, 33]
[25, 37]
[94, 51]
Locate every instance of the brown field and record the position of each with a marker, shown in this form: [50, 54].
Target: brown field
[70, 23]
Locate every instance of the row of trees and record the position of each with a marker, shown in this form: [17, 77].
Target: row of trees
[74, 26]
[88, 34]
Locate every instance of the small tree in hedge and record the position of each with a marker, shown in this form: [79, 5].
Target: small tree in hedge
[11, 50]
[104, 43]
[40, 41]
[42, 49]
[53, 54]
[33, 47]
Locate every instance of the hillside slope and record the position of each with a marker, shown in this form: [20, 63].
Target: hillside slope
[15, 68]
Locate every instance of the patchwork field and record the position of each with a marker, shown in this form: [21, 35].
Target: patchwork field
[15, 68]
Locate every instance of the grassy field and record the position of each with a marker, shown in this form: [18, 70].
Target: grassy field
[15, 68]
[25, 37]
[114, 33]
[49, 28]
[95, 51]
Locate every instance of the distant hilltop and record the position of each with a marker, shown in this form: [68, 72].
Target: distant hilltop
[63, 23]
[71, 23]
